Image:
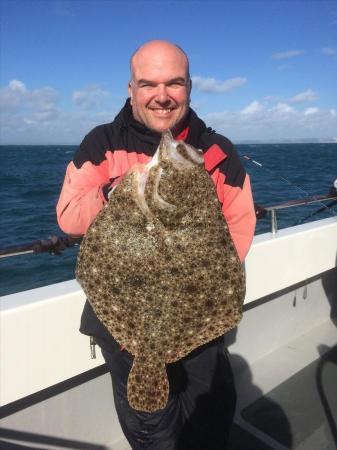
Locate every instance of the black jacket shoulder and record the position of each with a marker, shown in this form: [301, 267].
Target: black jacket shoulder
[210, 137]
[95, 144]
[231, 167]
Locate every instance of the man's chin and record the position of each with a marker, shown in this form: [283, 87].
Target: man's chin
[160, 128]
[164, 125]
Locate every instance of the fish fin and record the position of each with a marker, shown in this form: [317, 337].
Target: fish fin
[148, 385]
[157, 200]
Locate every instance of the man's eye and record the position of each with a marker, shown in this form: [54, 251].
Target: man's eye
[177, 84]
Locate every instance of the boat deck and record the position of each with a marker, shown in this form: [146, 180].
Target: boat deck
[296, 412]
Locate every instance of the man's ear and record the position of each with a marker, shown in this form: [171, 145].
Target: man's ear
[130, 91]
[189, 90]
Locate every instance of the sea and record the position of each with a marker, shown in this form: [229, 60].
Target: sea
[31, 178]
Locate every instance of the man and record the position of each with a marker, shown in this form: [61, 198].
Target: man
[202, 395]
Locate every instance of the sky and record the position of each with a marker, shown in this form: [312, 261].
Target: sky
[261, 70]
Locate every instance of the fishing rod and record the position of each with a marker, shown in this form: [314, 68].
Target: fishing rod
[53, 245]
[303, 191]
[304, 201]
[328, 205]
[333, 194]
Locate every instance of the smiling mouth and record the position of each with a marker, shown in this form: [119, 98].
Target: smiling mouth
[162, 111]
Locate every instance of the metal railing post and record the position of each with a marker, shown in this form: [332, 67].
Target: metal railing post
[273, 221]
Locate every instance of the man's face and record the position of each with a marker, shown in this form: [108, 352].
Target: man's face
[160, 88]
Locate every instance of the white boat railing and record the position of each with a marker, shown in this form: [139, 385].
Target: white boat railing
[301, 202]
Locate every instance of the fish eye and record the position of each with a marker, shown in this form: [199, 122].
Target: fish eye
[180, 147]
[164, 164]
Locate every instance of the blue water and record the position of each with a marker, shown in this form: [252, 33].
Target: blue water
[31, 179]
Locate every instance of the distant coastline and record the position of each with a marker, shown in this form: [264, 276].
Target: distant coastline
[238, 142]
[289, 141]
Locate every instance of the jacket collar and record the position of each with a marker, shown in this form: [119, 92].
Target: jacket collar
[192, 127]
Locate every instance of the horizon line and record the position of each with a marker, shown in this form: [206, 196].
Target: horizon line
[243, 142]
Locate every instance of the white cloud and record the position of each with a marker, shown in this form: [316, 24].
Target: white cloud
[282, 109]
[16, 97]
[305, 96]
[60, 127]
[253, 108]
[287, 54]
[268, 121]
[12, 95]
[212, 85]
[17, 86]
[44, 99]
[45, 116]
[90, 97]
[31, 116]
[329, 51]
[310, 111]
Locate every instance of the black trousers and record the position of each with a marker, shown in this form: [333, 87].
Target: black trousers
[200, 408]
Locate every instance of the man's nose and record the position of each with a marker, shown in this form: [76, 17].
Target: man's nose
[162, 94]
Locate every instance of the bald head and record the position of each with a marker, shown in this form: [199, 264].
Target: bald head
[160, 50]
[160, 85]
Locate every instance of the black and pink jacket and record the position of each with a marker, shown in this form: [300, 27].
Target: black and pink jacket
[110, 150]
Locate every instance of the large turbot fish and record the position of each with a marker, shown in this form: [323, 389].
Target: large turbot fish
[159, 267]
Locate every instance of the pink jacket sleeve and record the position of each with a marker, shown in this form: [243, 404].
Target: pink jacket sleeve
[238, 210]
[81, 197]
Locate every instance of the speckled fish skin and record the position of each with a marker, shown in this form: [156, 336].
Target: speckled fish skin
[159, 267]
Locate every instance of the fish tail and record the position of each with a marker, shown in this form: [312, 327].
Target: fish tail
[148, 386]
